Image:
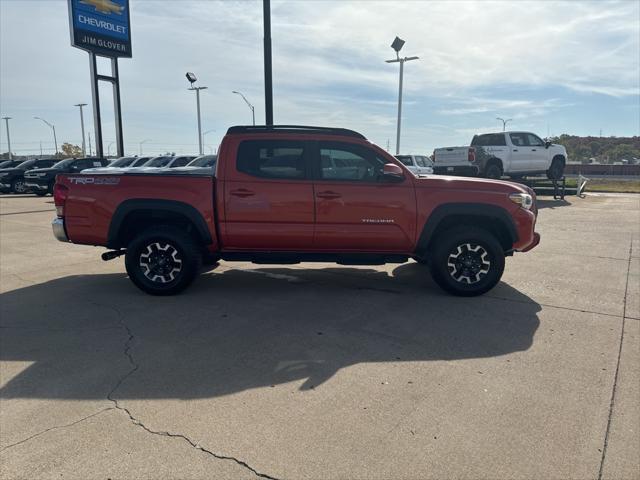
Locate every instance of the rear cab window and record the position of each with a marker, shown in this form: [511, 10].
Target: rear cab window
[489, 140]
[274, 159]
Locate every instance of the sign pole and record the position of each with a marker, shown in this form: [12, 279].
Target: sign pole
[95, 97]
[268, 87]
[116, 106]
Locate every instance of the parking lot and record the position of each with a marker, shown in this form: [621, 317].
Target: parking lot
[320, 371]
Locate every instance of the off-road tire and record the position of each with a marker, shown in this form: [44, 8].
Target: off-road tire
[50, 187]
[454, 246]
[494, 171]
[154, 255]
[40, 193]
[556, 170]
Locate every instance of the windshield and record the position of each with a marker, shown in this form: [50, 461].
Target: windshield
[122, 162]
[26, 165]
[158, 162]
[204, 161]
[63, 163]
[406, 159]
[138, 162]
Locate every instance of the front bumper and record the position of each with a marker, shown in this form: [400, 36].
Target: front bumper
[536, 241]
[35, 186]
[58, 230]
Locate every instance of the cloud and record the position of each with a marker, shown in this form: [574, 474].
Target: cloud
[476, 58]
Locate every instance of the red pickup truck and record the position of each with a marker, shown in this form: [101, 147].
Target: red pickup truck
[290, 194]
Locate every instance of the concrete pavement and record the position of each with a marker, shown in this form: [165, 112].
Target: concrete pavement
[319, 371]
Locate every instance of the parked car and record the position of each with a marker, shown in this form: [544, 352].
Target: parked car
[40, 181]
[271, 202]
[203, 161]
[120, 163]
[166, 161]
[418, 164]
[493, 155]
[12, 179]
[10, 163]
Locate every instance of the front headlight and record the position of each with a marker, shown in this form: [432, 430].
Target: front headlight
[523, 199]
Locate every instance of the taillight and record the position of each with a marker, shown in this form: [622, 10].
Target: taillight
[472, 155]
[60, 193]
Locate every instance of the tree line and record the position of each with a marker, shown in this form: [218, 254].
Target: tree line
[600, 149]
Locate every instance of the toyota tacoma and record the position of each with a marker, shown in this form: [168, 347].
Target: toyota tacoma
[290, 194]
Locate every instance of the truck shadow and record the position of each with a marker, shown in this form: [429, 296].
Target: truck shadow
[236, 329]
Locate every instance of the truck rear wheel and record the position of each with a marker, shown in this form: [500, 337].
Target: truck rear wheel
[163, 260]
[467, 261]
[493, 171]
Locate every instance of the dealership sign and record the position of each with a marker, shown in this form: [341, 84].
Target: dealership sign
[101, 26]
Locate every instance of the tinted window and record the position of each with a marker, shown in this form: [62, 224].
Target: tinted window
[180, 162]
[204, 161]
[44, 163]
[420, 161]
[140, 161]
[488, 140]
[343, 161]
[518, 139]
[122, 162]
[63, 163]
[82, 164]
[272, 159]
[405, 159]
[534, 140]
[427, 161]
[158, 162]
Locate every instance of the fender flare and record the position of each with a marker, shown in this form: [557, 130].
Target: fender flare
[480, 210]
[173, 206]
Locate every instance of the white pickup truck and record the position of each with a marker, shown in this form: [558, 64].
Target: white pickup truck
[492, 155]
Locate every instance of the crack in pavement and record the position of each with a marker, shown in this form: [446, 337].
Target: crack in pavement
[137, 422]
[57, 427]
[615, 376]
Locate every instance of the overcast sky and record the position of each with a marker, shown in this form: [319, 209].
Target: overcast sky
[568, 67]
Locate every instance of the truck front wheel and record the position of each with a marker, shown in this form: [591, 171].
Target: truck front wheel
[467, 261]
[163, 260]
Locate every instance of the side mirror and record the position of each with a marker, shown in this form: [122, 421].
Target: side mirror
[547, 144]
[392, 173]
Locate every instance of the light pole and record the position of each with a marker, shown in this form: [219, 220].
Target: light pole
[53, 128]
[253, 110]
[203, 135]
[192, 79]
[397, 46]
[84, 146]
[6, 119]
[504, 122]
[143, 141]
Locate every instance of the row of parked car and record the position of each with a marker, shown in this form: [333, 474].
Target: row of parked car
[38, 175]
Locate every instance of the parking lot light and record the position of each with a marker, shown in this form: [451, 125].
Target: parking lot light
[253, 112]
[6, 119]
[53, 128]
[140, 145]
[397, 45]
[192, 79]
